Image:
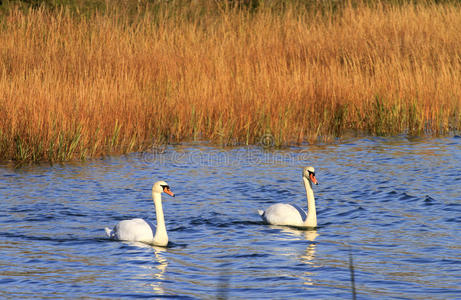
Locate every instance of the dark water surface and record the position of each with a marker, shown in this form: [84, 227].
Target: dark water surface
[394, 204]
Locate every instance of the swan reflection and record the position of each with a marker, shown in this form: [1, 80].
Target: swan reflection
[154, 265]
[159, 276]
[307, 256]
[309, 235]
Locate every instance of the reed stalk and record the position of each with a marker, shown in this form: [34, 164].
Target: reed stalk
[114, 79]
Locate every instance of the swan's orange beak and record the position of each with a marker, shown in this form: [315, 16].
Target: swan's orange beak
[313, 179]
[166, 190]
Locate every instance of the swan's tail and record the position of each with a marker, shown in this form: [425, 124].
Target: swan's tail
[108, 232]
[262, 213]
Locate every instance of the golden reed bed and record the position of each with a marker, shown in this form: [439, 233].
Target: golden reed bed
[78, 85]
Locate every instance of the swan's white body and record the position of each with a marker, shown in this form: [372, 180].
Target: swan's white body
[292, 215]
[139, 230]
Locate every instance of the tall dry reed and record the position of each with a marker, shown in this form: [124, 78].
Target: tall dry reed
[74, 86]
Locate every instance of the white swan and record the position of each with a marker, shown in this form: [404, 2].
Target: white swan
[139, 230]
[292, 215]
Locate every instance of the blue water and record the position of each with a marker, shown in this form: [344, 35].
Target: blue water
[392, 205]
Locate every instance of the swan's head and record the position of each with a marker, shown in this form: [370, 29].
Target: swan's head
[162, 187]
[309, 173]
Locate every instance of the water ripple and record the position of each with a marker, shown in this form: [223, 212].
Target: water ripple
[391, 203]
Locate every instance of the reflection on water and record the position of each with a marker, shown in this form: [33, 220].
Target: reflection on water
[162, 264]
[152, 271]
[307, 255]
[394, 204]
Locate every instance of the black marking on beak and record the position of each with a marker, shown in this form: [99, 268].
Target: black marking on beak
[313, 175]
[166, 189]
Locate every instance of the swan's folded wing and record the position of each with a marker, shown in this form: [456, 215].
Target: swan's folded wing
[136, 230]
[302, 213]
[284, 214]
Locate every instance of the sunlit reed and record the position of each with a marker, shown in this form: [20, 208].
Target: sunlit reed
[75, 85]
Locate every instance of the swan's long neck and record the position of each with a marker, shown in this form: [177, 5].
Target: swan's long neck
[161, 237]
[311, 220]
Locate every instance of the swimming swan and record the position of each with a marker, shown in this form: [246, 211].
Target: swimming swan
[291, 215]
[139, 230]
